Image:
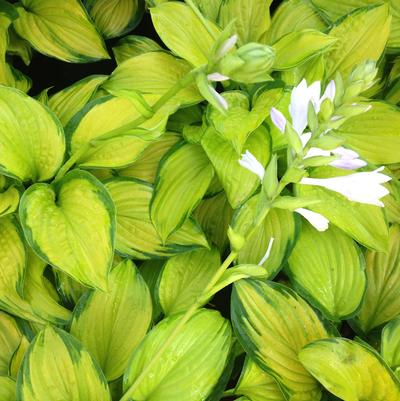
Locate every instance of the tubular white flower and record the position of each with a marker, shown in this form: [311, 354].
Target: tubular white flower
[217, 77]
[219, 98]
[314, 93]
[298, 107]
[249, 162]
[363, 187]
[268, 253]
[278, 119]
[314, 152]
[319, 222]
[348, 164]
[330, 92]
[227, 45]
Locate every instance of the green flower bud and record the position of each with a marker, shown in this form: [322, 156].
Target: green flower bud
[249, 64]
[326, 110]
[237, 240]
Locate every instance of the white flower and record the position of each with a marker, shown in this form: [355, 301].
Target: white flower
[300, 98]
[321, 223]
[217, 77]
[268, 253]
[227, 45]
[249, 162]
[278, 119]
[362, 187]
[348, 159]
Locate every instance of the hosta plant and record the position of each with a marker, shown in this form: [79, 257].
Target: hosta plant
[217, 218]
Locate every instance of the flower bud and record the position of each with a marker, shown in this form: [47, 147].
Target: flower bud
[249, 64]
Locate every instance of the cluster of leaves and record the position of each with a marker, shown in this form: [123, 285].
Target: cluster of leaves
[120, 196]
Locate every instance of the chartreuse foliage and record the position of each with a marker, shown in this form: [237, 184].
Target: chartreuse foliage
[250, 144]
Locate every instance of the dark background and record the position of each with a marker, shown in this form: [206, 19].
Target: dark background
[48, 72]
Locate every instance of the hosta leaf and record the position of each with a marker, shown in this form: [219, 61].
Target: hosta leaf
[382, 302]
[375, 135]
[61, 29]
[10, 338]
[39, 293]
[12, 259]
[238, 121]
[209, 8]
[19, 47]
[214, 215]
[328, 268]
[71, 225]
[32, 143]
[9, 196]
[132, 46]
[150, 271]
[273, 323]
[56, 367]
[239, 183]
[70, 290]
[365, 223]
[182, 180]
[146, 166]
[292, 16]
[390, 346]
[9, 76]
[18, 356]
[69, 101]
[7, 389]
[115, 17]
[184, 278]
[152, 73]
[361, 35]
[136, 235]
[251, 18]
[279, 224]
[111, 324]
[99, 117]
[183, 32]
[257, 385]
[350, 370]
[201, 347]
[297, 47]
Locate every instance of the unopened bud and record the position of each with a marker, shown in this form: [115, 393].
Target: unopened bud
[249, 64]
[326, 110]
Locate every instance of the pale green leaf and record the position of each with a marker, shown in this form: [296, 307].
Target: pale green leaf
[273, 323]
[361, 35]
[189, 367]
[146, 166]
[7, 389]
[298, 47]
[364, 223]
[184, 278]
[100, 117]
[209, 8]
[61, 29]
[257, 385]
[292, 16]
[282, 225]
[251, 18]
[152, 73]
[183, 32]
[328, 268]
[10, 338]
[390, 345]
[182, 180]
[56, 367]
[32, 143]
[115, 17]
[382, 300]
[136, 234]
[71, 225]
[239, 183]
[350, 370]
[110, 325]
[132, 46]
[375, 135]
[69, 101]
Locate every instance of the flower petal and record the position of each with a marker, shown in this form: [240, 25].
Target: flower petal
[321, 223]
[278, 119]
[267, 253]
[217, 77]
[249, 162]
